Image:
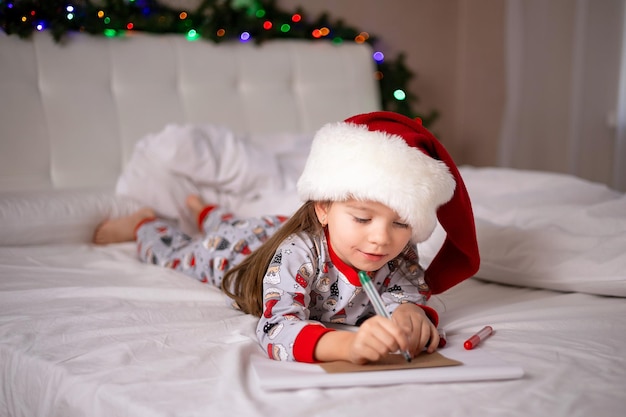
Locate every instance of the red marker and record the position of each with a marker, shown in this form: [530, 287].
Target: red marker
[473, 341]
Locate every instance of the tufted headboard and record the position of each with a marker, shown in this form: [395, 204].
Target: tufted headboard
[71, 113]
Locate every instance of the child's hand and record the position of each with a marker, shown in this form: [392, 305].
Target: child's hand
[417, 327]
[409, 329]
[377, 337]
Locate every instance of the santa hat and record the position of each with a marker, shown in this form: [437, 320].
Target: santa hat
[394, 160]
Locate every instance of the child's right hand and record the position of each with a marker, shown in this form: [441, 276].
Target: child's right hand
[374, 339]
[377, 337]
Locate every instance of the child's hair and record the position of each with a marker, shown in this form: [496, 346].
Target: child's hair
[244, 282]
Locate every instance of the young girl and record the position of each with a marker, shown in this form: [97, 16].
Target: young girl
[373, 186]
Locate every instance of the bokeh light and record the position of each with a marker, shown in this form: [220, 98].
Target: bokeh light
[399, 95]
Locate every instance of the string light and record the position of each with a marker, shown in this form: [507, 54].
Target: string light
[248, 21]
[361, 37]
[192, 35]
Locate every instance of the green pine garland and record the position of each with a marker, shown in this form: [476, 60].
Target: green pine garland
[214, 20]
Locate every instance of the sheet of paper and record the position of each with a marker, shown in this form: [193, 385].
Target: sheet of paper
[476, 365]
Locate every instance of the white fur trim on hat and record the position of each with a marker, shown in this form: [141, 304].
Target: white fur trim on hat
[348, 160]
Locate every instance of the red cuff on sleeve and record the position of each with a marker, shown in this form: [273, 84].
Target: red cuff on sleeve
[304, 345]
[431, 313]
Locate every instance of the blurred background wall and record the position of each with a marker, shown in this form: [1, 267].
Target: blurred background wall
[530, 84]
[455, 49]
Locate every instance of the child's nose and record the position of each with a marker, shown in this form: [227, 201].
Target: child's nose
[379, 234]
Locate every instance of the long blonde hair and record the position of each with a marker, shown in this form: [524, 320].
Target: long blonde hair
[244, 282]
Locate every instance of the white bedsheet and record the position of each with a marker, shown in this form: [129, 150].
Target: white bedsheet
[91, 331]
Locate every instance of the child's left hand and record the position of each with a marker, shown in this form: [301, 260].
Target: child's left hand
[420, 331]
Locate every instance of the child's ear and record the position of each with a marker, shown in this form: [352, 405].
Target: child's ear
[321, 210]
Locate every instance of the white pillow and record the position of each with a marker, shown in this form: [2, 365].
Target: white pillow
[548, 230]
[57, 216]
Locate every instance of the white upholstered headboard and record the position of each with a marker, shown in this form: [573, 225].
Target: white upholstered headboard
[71, 113]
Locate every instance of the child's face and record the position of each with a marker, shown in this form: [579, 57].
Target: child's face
[364, 234]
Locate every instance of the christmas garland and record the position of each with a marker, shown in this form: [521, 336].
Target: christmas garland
[214, 20]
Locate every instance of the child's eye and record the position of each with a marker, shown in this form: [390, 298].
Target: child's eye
[401, 225]
[359, 220]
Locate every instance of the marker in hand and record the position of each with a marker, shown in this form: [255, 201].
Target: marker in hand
[473, 341]
[377, 302]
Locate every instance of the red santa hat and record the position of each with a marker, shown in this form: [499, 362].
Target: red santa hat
[394, 160]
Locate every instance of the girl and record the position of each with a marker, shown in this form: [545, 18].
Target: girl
[373, 187]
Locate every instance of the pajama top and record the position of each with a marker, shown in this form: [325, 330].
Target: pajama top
[306, 285]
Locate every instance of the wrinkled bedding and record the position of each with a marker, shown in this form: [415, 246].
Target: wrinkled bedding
[89, 330]
[223, 167]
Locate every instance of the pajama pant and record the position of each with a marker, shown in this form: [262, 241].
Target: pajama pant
[225, 242]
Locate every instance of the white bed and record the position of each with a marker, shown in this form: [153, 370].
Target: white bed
[90, 331]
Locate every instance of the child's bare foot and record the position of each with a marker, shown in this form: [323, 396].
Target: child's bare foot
[195, 204]
[121, 229]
